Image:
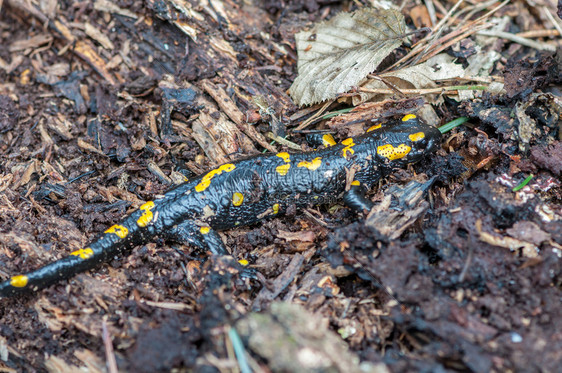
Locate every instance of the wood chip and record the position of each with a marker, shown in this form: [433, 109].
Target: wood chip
[110, 7]
[89, 148]
[392, 222]
[55, 364]
[31, 43]
[528, 249]
[280, 283]
[169, 305]
[61, 126]
[17, 60]
[371, 111]
[227, 105]
[93, 363]
[31, 168]
[98, 36]
[304, 236]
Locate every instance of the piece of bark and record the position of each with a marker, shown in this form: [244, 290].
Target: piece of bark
[267, 294]
[229, 108]
[373, 112]
[81, 48]
[411, 206]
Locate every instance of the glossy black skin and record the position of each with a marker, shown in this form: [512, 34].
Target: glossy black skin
[182, 211]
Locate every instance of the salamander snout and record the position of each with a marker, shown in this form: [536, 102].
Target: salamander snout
[433, 136]
[423, 143]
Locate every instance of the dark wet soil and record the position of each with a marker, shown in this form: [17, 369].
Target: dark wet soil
[473, 283]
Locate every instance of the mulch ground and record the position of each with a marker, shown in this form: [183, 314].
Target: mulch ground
[104, 105]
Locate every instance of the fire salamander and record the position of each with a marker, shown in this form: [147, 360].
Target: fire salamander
[247, 191]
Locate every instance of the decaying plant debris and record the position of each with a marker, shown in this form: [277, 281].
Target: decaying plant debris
[104, 105]
[336, 55]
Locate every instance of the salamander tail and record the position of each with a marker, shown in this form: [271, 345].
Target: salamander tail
[113, 241]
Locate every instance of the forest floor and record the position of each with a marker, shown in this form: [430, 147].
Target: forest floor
[104, 105]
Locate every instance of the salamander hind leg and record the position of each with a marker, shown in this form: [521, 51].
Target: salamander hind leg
[204, 238]
[356, 200]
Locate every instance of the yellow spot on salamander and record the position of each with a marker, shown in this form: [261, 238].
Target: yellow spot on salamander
[147, 215]
[25, 77]
[19, 281]
[408, 117]
[392, 153]
[237, 199]
[284, 156]
[348, 147]
[243, 262]
[375, 127]
[275, 208]
[416, 136]
[119, 230]
[205, 230]
[206, 180]
[355, 182]
[283, 169]
[328, 140]
[83, 253]
[312, 165]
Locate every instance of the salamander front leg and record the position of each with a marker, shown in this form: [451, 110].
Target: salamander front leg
[355, 199]
[204, 238]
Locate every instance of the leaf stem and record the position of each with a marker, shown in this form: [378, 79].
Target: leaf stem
[426, 91]
[452, 124]
[523, 183]
[283, 141]
[335, 113]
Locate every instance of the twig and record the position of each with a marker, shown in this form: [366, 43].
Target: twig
[552, 20]
[539, 33]
[335, 113]
[432, 38]
[467, 263]
[317, 220]
[310, 120]
[386, 83]
[446, 18]
[440, 7]
[442, 47]
[431, 11]
[485, 16]
[519, 40]
[109, 354]
[470, 11]
[169, 305]
[426, 91]
[479, 79]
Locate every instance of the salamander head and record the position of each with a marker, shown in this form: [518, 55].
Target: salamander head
[406, 142]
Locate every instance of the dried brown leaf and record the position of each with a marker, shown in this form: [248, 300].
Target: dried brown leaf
[336, 55]
[424, 75]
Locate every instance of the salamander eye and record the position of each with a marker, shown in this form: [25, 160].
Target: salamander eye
[421, 143]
